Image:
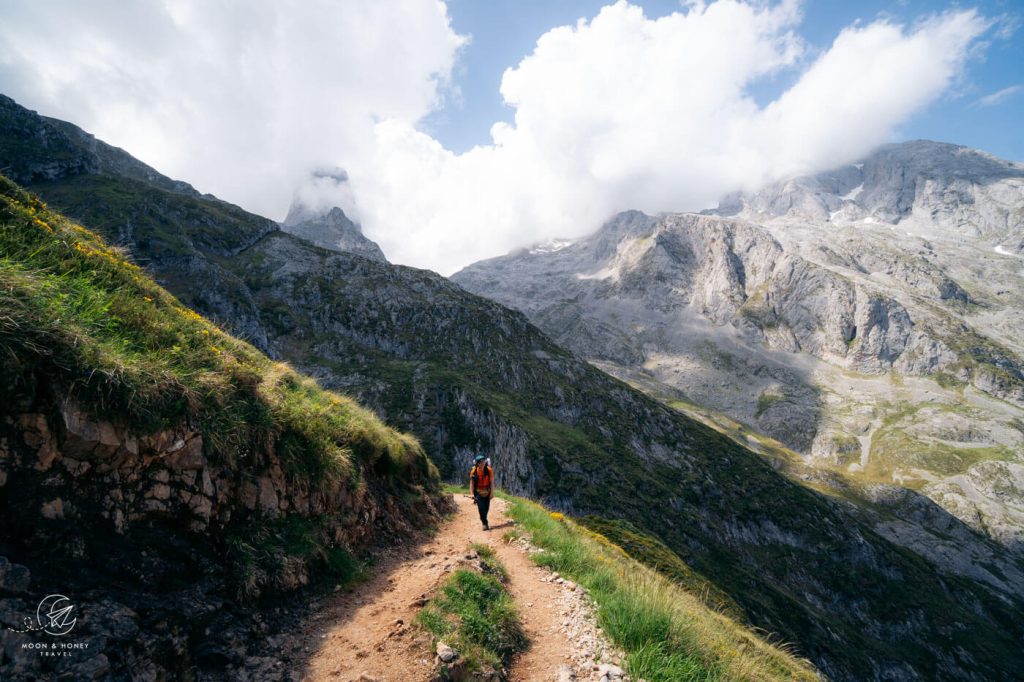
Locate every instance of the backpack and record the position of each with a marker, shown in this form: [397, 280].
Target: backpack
[488, 473]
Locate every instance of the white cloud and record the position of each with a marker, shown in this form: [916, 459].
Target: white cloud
[999, 96]
[240, 98]
[617, 112]
[628, 112]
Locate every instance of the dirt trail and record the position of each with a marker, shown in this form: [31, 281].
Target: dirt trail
[368, 633]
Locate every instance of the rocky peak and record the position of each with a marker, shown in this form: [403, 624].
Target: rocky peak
[935, 189]
[330, 230]
[625, 225]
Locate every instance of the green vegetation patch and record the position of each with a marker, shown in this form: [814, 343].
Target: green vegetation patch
[475, 615]
[654, 553]
[894, 449]
[767, 399]
[285, 552]
[75, 311]
[666, 631]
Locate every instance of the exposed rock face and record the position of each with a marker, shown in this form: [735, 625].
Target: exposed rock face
[466, 374]
[943, 189]
[809, 309]
[332, 230]
[132, 528]
[936, 532]
[165, 473]
[990, 499]
[691, 291]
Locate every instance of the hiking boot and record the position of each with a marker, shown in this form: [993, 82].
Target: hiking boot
[486, 527]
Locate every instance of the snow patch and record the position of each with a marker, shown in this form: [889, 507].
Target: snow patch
[552, 245]
[853, 193]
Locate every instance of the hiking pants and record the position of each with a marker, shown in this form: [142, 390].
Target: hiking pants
[483, 504]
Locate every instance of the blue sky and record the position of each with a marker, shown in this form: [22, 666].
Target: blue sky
[505, 31]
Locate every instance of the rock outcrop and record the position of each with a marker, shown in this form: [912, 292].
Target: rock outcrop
[134, 528]
[331, 230]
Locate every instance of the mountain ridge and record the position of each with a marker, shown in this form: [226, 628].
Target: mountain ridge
[873, 349]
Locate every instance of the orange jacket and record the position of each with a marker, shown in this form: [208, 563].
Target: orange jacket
[481, 482]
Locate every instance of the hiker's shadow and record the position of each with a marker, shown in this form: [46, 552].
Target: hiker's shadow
[504, 524]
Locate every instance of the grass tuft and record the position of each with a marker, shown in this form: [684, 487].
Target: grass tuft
[283, 553]
[475, 615]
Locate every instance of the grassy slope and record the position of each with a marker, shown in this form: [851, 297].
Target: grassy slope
[666, 630]
[75, 313]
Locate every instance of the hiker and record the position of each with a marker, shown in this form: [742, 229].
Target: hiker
[481, 487]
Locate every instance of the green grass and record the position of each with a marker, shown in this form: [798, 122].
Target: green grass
[652, 552]
[75, 311]
[474, 614]
[489, 562]
[78, 319]
[667, 632]
[283, 553]
[767, 399]
[893, 447]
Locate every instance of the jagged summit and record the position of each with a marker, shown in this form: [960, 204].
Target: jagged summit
[934, 189]
[330, 230]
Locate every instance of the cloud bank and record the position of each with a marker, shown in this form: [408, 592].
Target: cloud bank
[618, 111]
[242, 99]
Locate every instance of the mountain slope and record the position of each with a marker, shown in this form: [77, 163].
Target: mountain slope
[862, 317]
[465, 374]
[204, 472]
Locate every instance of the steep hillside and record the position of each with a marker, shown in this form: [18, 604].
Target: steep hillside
[465, 374]
[205, 474]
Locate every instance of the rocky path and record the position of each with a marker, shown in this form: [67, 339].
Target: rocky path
[368, 634]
